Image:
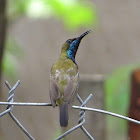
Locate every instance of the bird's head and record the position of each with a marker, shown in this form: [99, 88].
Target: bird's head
[71, 46]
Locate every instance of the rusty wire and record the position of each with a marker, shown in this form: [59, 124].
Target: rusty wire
[10, 105]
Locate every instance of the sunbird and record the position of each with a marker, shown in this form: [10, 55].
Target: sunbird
[64, 78]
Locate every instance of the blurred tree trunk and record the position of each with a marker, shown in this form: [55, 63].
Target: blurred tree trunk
[3, 23]
[134, 109]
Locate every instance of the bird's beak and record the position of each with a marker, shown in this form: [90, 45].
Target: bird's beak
[81, 36]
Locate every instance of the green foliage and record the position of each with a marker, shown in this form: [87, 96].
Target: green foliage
[117, 89]
[73, 13]
[12, 51]
[8, 66]
[57, 134]
[16, 8]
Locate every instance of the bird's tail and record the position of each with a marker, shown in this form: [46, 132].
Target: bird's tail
[63, 112]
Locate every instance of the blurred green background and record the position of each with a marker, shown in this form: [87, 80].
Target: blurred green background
[35, 32]
[73, 15]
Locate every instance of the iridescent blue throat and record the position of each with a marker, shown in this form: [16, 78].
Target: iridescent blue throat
[71, 52]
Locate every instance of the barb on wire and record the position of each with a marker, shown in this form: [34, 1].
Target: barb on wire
[81, 120]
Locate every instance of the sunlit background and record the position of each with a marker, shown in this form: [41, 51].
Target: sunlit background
[36, 30]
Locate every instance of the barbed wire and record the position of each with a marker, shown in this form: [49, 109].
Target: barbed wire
[10, 105]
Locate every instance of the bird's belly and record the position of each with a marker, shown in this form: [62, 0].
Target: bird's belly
[62, 83]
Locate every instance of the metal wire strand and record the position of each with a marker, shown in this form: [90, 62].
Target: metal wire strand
[21, 126]
[5, 112]
[10, 104]
[82, 115]
[69, 131]
[108, 113]
[74, 107]
[25, 104]
[11, 99]
[81, 121]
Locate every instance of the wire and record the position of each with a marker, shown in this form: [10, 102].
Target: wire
[10, 105]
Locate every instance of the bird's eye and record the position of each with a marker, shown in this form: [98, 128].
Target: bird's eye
[69, 41]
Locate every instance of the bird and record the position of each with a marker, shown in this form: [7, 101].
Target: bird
[64, 78]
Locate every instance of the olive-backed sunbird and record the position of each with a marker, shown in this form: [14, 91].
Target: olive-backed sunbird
[64, 78]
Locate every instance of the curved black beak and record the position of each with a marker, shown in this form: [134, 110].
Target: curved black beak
[81, 36]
